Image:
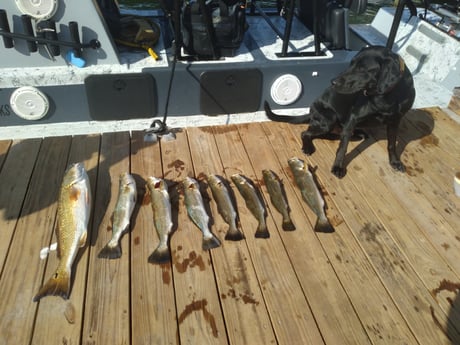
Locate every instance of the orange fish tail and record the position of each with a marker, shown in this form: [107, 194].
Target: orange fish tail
[57, 285]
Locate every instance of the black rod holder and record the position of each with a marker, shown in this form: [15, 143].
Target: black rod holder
[48, 35]
[75, 36]
[49, 32]
[27, 25]
[4, 29]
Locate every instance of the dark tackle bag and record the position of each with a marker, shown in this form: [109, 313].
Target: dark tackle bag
[227, 31]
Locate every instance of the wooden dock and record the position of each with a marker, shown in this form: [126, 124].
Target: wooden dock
[389, 274]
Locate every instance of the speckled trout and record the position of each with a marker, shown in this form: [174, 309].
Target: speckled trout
[126, 201]
[253, 203]
[278, 197]
[197, 212]
[222, 197]
[74, 206]
[162, 218]
[310, 193]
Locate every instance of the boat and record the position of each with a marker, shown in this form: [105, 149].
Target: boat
[64, 70]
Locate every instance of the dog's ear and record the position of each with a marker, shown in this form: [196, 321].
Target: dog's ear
[390, 73]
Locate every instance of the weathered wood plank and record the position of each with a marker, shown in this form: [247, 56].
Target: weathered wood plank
[14, 177]
[246, 317]
[23, 271]
[197, 299]
[56, 318]
[107, 304]
[4, 147]
[381, 319]
[153, 310]
[289, 309]
[389, 261]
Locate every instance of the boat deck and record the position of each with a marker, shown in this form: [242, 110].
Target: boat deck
[389, 274]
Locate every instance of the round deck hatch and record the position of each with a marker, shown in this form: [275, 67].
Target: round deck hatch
[286, 89]
[29, 103]
[38, 9]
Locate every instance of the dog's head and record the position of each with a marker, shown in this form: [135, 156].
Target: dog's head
[374, 71]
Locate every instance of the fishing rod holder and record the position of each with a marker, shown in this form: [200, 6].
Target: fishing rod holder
[46, 35]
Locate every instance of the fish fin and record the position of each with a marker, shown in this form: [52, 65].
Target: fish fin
[160, 255]
[110, 252]
[262, 231]
[57, 285]
[210, 243]
[83, 238]
[288, 225]
[323, 225]
[234, 235]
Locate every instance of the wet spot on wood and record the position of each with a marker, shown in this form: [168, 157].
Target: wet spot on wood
[446, 285]
[178, 166]
[166, 273]
[193, 260]
[435, 319]
[248, 299]
[137, 240]
[109, 228]
[196, 306]
[445, 246]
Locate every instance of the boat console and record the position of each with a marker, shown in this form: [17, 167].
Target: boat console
[83, 67]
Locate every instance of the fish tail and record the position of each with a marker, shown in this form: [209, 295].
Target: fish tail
[323, 225]
[234, 234]
[160, 255]
[210, 243]
[110, 251]
[262, 231]
[57, 285]
[288, 225]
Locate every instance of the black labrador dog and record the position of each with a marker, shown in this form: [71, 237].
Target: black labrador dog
[376, 89]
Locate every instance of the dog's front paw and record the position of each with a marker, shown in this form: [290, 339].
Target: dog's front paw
[308, 150]
[398, 165]
[340, 172]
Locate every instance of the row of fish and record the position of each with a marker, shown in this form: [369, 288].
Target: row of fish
[74, 207]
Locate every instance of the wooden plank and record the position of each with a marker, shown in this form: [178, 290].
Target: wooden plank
[4, 147]
[57, 318]
[199, 313]
[429, 186]
[387, 258]
[246, 317]
[153, 310]
[381, 319]
[107, 308]
[14, 176]
[23, 271]
[291, 316]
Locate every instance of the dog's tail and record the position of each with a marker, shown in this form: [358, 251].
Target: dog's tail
[285, 118]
